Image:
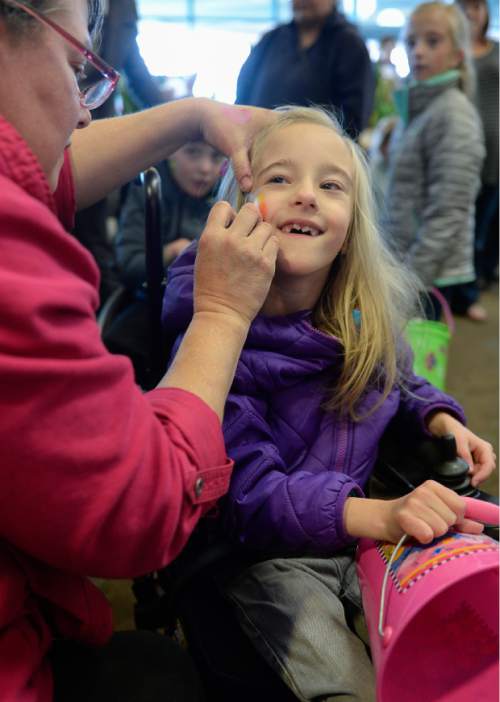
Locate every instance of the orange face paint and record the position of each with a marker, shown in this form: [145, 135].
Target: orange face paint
[261, 204]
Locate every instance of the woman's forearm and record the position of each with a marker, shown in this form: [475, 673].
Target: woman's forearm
[206, 360]
[111, 152]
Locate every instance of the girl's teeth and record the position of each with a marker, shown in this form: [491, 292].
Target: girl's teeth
[303, 230]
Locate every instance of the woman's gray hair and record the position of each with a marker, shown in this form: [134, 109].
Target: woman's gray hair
[18, 20]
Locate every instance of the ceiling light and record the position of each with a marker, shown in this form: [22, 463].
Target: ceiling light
[390, 17]
[365, 8]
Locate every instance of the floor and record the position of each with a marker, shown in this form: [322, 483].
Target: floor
[472, 378]
[473, 374]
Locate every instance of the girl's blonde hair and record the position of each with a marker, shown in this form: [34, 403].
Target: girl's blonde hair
[460, 36]
[369, 295]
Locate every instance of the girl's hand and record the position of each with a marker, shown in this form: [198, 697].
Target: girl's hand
[231, 129]
[424, 514]
[427, 513]
[477, 453]
[173, 249]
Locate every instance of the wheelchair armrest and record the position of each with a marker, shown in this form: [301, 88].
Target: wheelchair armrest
[158, 594]
[116, 302]
[401, 467]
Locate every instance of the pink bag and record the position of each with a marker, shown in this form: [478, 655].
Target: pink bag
[432, 615]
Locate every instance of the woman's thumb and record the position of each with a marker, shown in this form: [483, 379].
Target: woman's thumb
[241, 167]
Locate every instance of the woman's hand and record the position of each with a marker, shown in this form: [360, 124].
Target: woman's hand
[477, 453]
[235, 263]
[234, 267]
[231, 129]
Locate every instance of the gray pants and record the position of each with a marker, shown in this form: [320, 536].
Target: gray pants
[292, 611]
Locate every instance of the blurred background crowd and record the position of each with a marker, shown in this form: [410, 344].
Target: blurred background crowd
[350, 56]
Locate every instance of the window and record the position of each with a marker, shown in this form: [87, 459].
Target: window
[209, 38]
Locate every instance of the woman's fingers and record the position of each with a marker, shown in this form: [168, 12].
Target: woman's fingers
[221, 215]
[246, 220]
[241, 168]
[231, 129]
[235, 262]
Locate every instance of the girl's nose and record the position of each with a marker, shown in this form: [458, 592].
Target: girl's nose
[305, 196]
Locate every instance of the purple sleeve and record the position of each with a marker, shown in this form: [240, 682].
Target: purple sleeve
[419, 398]
[269, 508]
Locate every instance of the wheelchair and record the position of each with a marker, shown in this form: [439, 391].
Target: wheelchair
[187, 596]
[185, 600]
[130, 323]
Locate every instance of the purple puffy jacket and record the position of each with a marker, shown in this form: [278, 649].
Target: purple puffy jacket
[295, 463]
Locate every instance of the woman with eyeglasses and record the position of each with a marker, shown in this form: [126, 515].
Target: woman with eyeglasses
[96, 478]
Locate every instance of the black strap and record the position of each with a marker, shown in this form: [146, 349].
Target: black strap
[155, 282]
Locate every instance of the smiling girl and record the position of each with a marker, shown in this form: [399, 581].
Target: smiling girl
[322, 374]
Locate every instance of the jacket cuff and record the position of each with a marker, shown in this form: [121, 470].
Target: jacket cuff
[454, 411]
[349, 489]
[208, 485]
[201, 429]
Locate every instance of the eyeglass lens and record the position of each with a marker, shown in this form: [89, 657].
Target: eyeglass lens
[94, 87]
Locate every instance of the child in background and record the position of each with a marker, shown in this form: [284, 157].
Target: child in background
[436, 153]
[322, 374]
[188, 180]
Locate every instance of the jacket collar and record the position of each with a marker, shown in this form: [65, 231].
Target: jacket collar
[19, 164]
[284, 348]
[414, 98]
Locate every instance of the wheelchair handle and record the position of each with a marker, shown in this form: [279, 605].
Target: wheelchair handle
[482, 511]
[479, 510]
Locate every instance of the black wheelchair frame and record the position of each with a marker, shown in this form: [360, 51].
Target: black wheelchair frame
[149, 352]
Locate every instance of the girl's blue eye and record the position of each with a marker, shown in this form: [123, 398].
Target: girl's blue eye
[277, 179]
[331, 185]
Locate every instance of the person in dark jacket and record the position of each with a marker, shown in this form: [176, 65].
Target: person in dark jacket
[318, 58]
[322, 374]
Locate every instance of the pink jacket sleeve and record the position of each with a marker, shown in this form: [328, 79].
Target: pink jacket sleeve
[96, 477]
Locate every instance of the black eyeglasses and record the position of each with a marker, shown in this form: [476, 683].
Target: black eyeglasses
[99, 80]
